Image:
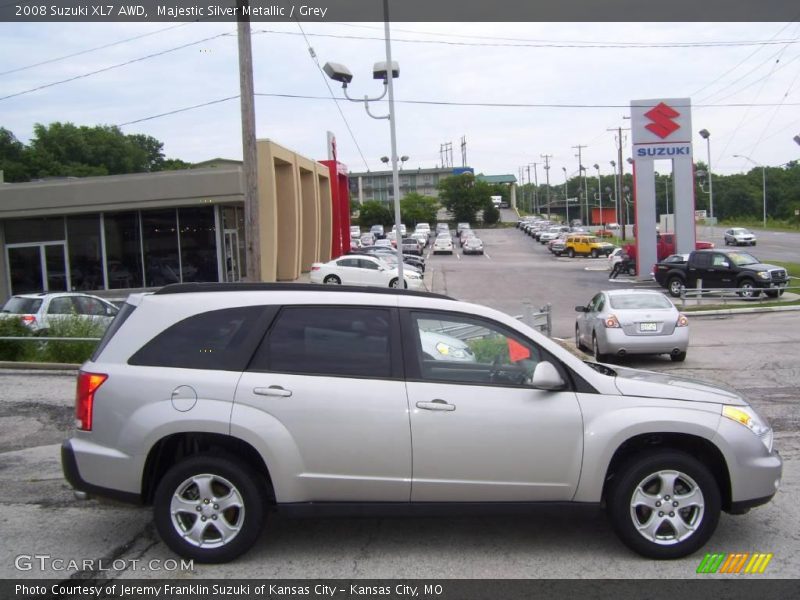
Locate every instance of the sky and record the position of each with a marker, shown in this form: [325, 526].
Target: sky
[743, 80]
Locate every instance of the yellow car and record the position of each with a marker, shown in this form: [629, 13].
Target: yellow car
[587, 245]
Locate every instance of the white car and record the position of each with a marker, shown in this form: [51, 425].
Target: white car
[387, 242]
[443, 243]
[362, 270]
[614, 258]
[39, 311]
[739, 236]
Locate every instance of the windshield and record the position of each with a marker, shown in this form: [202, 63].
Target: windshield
[742, 259]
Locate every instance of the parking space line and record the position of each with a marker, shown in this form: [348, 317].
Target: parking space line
[458, 256]
[487, 256]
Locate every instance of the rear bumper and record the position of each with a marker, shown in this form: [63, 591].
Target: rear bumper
[617, 341]
[69, 465]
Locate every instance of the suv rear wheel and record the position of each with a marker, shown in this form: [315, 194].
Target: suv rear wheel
[210, 509]
[664, 504]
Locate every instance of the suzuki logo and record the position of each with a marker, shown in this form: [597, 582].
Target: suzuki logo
[662, 124]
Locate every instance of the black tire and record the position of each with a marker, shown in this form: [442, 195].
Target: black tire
[774, 293]
[332, 280]
[393, 283]
[236, 482]
[594, 253]
[754, 243]
[571, 252]
[748, 290]
[645, 476]
[674, 286]
[679, 357]
[598, 356]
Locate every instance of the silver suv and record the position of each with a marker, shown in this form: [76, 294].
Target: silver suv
[216, 403]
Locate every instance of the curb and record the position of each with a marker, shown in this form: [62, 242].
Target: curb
[37, 366]
[746, 310]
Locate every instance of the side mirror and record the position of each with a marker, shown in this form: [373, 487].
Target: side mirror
[546, 377]
[582, 309]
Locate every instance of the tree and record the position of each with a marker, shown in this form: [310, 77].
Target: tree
[491, 214]
[464, 196]
[13, 161]
[375, 212]
[416, 208]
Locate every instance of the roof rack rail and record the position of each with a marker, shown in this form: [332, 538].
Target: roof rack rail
[195, 287]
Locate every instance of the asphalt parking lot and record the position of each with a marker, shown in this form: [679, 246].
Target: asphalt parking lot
[756, 354]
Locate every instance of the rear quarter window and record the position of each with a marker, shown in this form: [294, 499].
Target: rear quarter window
[22, 306]
[216, 340]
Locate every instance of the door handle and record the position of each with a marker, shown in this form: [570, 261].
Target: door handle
[273, 390]
[436, 405]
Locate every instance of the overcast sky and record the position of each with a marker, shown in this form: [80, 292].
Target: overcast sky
[746, 93]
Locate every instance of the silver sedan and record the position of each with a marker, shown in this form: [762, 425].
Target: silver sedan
[620, 322]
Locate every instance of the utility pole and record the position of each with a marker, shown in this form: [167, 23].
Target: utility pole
[463, 151]
[547, 158]
[249, 156]
[618, 200]
[530, 203]
[535, 189]
[585, 185]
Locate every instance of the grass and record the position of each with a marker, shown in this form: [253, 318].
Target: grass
[736, 304]
[47, 351]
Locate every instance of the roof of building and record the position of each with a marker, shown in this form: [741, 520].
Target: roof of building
[497, 178]
[419, 171]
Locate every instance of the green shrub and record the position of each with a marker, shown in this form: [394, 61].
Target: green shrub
[69, 352]
[486, 350]
[491, 215]
[13, 350]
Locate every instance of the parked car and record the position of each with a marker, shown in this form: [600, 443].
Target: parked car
[615, 257]
[215, 440]
[665, 245]
[368, 239]
[472, 245]
[739, 236]
[378, 232]
[40, 311]
[722, 269]
[460, 227]
[465, 235]
[421, 237]
[409, 259]
[442, 228]
[355, 231]
[411, 246]
[587, 245]
[443, 243]
[620, 322]
[552, 233]
[386, 242]
[362, 270]
[557, 246]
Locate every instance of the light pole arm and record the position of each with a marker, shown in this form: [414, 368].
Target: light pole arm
[366, 98]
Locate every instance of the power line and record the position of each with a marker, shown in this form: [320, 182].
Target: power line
[330, 91]
[87, 51]
[573, 43]
[179, 110]
[112, 67]
[589, 45]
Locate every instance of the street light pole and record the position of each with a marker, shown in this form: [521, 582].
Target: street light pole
[566, 195]
[600, 195]
[707, 137]
[763, 185]
[616, 197]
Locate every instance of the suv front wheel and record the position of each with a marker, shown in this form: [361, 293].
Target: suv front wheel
[209, 509]
[664, 504]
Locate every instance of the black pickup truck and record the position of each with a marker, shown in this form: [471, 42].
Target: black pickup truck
[722, 269]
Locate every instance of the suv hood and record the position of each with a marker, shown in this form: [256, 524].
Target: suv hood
[649, 384]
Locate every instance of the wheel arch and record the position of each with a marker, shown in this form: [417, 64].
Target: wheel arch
[698, 447]
[171, 449]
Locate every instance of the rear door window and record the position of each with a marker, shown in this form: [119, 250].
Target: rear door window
[329, 340]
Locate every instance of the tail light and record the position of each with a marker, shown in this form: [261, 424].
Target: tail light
[611, 322]
[315, 267]
[28, 319]
[84, 398]
[682, 321]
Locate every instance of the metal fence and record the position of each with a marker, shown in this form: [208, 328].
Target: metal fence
[734, 296]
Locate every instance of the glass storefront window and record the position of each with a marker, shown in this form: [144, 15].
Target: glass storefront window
[85, 252]
[234, 266]
[198, 244]
[43, 229]
[160, 238]
[123, 250]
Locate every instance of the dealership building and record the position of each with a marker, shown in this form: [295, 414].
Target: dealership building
[146, 230]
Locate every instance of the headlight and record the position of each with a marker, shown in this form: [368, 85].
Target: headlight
[763, 274]
[745, 415]
[412, 275]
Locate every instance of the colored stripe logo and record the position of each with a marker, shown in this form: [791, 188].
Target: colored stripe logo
[735, 563]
